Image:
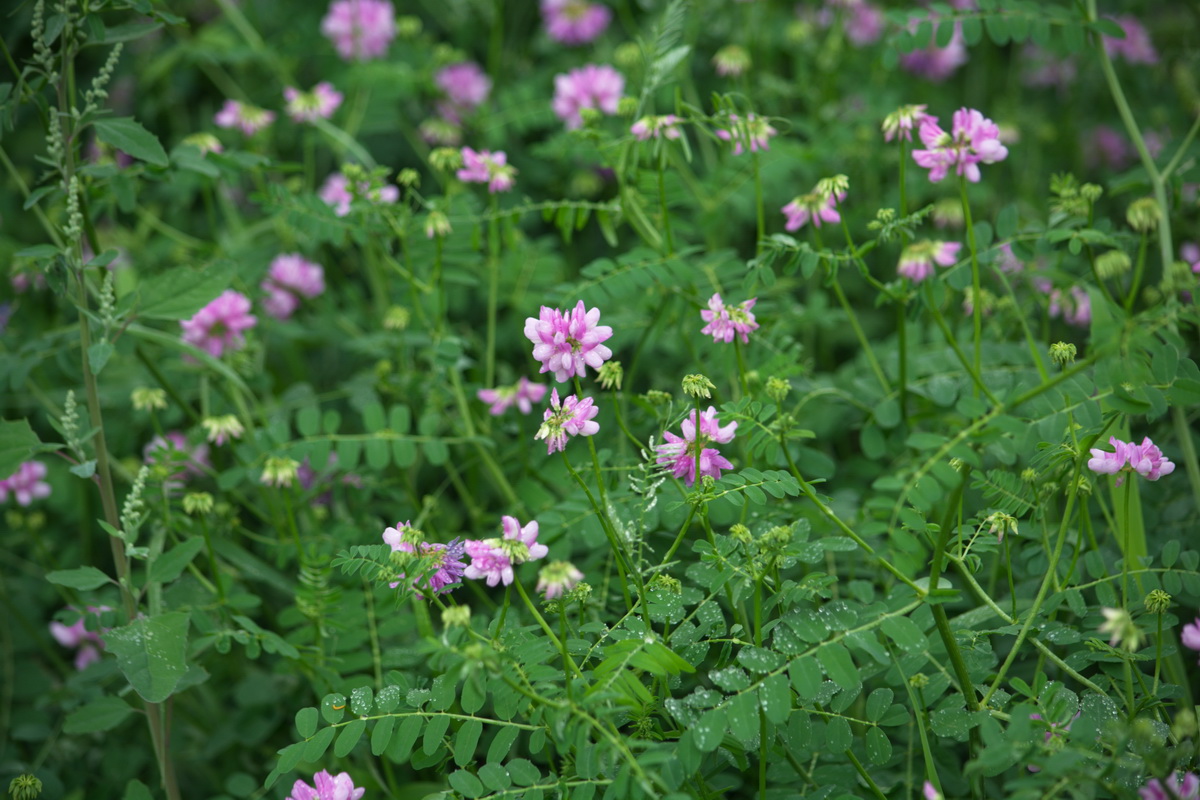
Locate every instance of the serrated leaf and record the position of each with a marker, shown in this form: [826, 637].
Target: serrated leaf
[81, 578]
[127, 135]
[18, 443]
[171, 564]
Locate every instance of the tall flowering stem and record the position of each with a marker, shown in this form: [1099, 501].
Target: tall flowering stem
[493, 270]
[758, 204]
[662, 198]
[976, 289]
[618, 554]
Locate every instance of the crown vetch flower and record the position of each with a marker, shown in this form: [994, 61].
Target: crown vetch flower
[360, 29]
[86, 644]
[336, 192]
[493, 559]
[679, 453]
[572, 418]
[221, 429]
[320, 103]
[466, 85]
[974, 139]
[523, 395]
[1136, 47]
[326, 786]
[574, 22]
[26, 484]
[1146, 459]
[917, 259]
[447, 567]
[174, 453]
[219, 325]
[249, 119]
[1180, 786]
[815, 206]
[725, 322]
[557, 578]
[291, 275]
[590, 86]
[665, 126]
[754, 132]
[487, 167]
[567, 344]
[902, 120]
[1191, 635]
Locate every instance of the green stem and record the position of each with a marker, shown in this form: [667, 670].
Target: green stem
[902, 337]
[976, 286]
[951, 340]
[866, 776]
[863, 343]
[761, 223]
[1126, 553]
[493, 468]
[662, 200]
[493, 271]
[541, 621]
[1138, 270]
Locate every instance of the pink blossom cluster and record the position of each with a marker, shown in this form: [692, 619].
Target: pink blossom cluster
[26, 484]
[1190, 637]
[327, 787]
[219, 326]
[665, 126]
[180, 459]
[754, 133]
[557, 578]
[336, 192]
[247, 118]
[1073, 305]
[290, 277]
[726, 322]
[902, 120]
[1145, 459]
[973, 140]
[590, 86]
[360, 29]
[574, 417]
[492, 560]
[862, 21]
[320, 103]
[523, 395]
[815, 206]
[574, 22]
[917, 259]
[487, 167]
[447, 567]
[937, 63]
[567, 344]
[679, 452]
[1136, 47]
[86, 644]
[1179, 786]
[466, 87]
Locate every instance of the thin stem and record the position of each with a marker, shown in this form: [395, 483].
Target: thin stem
[1138, 270]
[541, 621]
[976, 286]
[662, 200]
[760, 214]
[493, 271]
[1126, 554]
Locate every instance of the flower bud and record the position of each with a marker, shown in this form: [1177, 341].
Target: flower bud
[1158, 602]
[196, 503]
[1143, 214]
[1063, 353]
[445, 159]
[628, 56]
[436, 224]
[656, 398]
[732, 60]
[777, 389]
[627, 107]
[279, 471]
[698, 386]
[408, 177]
[590, 116]
[25, 787]
[408, 27]
[456, 616]
[1112, 264]
[396, 318]
[146, 399]
[611, 375]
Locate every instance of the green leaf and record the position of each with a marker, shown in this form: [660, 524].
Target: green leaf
[17, 444]
[835, 660]
[465, 783]
[879, 747]
[904, 632]
[381, 735]
[879, 702]
[465, 741]
[99, 715]
[181, 292]
[98, 355]
[362, 701]
[972, 30]
[759, 659]
[743, 716]
[315, 748]
[308, 421]
[171, 564]
[82, 578]
[709, 730]
[373, 418]
[776, 698]
[333, 708]
[306, 722]
[349, 737]
[431, 741]
[128, 135]
[152, 653]
[501, 745]
[402, 743]
[837, 735]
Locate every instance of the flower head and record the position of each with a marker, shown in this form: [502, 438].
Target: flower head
[320, 103]
[937, 63]
[1191, 635]
[249, 119]
[917, 259]
[219, 325]
[360, 29]
[732, 60]
[567, 344]
[725, 322]
[902, 120]
[815, 206]
[465, 84]
[679, 453]
[523, 395]
[487, 167]
[87, 644]
[493, 559]
[557, 578]
[1123, 630]
[145, 398]
[280, 471]
[1145, 459]
[1136, 47]
[336, 192]
[221, 429]
[26, 484]
[326, 786]
[665, 126]
[1074, 306]
[290, 277]
[974, 139]
[574, 22]
[755, 132]
[590, 86]
[573, 418]
[176, 459]
[447, 566]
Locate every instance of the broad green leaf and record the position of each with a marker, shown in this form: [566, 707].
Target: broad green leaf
[501, 745]
[82, 578]
[465, 741]
[128, 135]
[402, 743]
[904, 632]
[743, 716]
[98, 355]
[465, 783]
[523, 772]
[99, 715]
[388, 699]
[152, 653]
[879, 747]
[709, 730]
[435, 729]
[776, 699]
[381, 735]
[333, 708]
[878, 702]
[17, 444]
[759, 659]
[835, 660]
[315, 748]
[362, 701]
[136, 790]
[349, 737]
[306, 722]
[181, 292]
[838, 737]
[168, 566]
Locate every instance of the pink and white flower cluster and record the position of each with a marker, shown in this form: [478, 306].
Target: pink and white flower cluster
[816, 206]
[574, 22]
[320, 103]
[466, 87]
[360, 29]
[336, 192]
[447, 567]
[590, 86]
[327, 787]
[291, 276]
[523, 395]
[574, 417]
[665, 126]
[86, 644]
[679, 452]
[754, 133]
[725, 322]
[487, 167]
[567, 344]
[1190, 637]
[1180, 786]
[1145, 459]
[492, 560]
[917, 259]
[219, 326]
[1136, 47]
[974, 139]
[26, 484]
[249, 119]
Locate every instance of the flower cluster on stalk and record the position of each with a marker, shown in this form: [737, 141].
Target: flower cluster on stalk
[724, 322]
[1145, 459]
[679, 452]
[973, 140]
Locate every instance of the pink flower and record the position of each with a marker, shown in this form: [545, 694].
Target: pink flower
[487, 167]
[1045, 69]
[679, 453]
[1191, 635]
[1145, 459]
[87, 644]
[654, 127]
[572, 418]
[218, 326]
[523, 395]
[291, 275]
[1006, 261]
[813, 206]
[360, 29]
[937, 63]
[250, 119]
[1180, 786]
[447, 565]
[320, 103]
[725, 322]
[557, 578]
[1136, 47]
[974, 139]
[1190, 252]
[1107, 147]
[902, 120]
[567, 344]
[917, 259]
[466, 85]
[755, 133]
[862, 21]
[1075, 307]
[574, 22]
[26, 484]
[181, 460]
[328, 787]
[493, 559]
[336, 192]
[590, 86]
[1055, 735]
